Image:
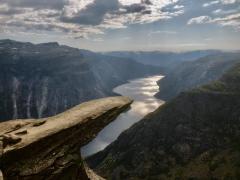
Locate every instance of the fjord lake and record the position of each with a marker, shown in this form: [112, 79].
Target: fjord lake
[142, 91]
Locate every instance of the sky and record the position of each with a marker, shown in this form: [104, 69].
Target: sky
[133, 25]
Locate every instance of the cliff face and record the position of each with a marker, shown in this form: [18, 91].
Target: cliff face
[194, 136]
[41, 80]
[49, 148]
[189, 75]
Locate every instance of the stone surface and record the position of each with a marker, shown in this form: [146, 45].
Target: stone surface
[50, 148]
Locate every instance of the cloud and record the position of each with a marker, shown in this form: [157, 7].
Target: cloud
[228, 1]
[46, 4]
[80, 18]
[210, 3]
[92, 14]
[6, 10]
[232, 20]
[225, 2]
[129, 2]
[224, 12]
[178, 7]
[141, 11]
[199, 20]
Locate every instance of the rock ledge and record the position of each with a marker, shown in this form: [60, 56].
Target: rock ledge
[49, 148]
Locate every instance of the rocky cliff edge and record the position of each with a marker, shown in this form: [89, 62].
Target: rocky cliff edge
[49, 148]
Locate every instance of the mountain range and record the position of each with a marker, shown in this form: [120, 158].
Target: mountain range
[194, 135]
[189, 75]
[163, 59]
[40, 80]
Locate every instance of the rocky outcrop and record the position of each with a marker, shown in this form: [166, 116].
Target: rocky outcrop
[49, 148]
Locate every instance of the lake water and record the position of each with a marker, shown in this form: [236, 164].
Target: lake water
[142, 91]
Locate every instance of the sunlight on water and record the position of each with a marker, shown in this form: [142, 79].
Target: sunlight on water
[142, 91]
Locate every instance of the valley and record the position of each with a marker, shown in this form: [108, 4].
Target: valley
[151, 138]
[193, 136]
[119, 90]
[41, 80]
[142, 91]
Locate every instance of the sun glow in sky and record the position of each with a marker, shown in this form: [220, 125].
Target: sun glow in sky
[105, 25]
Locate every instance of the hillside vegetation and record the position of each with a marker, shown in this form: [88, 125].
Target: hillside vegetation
[194, 136]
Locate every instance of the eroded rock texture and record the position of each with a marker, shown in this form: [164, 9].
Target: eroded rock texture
[49, 148]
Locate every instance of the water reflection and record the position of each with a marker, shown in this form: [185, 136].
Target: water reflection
[142, 91]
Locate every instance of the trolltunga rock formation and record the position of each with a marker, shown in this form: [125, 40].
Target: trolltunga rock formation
[49, 148]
